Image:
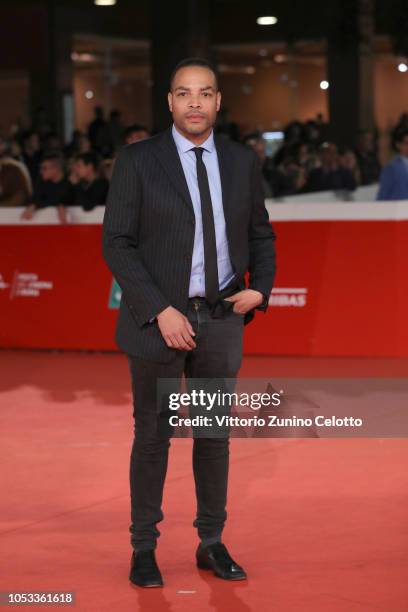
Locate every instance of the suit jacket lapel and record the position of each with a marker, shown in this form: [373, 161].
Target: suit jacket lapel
[167, 154]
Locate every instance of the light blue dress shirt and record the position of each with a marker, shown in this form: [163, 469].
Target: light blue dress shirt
[210, 159]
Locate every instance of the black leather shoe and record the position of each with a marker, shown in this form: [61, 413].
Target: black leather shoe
[144, 570]
[216, 557]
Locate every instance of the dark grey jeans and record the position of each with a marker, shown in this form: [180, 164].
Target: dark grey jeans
[218, 355]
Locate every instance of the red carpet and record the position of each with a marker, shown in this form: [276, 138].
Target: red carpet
[319, 524]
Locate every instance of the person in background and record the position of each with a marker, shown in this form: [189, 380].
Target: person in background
[41, 122]
[20, 128]
[15, 181]
[401, 125]
[274, 184]
[226, 127]
[72, 148]
[91, 189]
[348, 160]
[15, 150]
[293, 176]
[370, 167]
[110, 136]
[294, 168]
[84, 144]
[95, 126]
[294, 133]
[71, 169]
[318, 130]
[107, 168]
[394, 176]
[80, 143]
[135, 133]
[305, 157]
[53, 143]
[331, 176]
[52, 188]
[32, 153]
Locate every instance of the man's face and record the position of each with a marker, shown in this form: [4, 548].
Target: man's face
[83, 170]
[84, 145]
[194, 100]
[50, 170]
[329, 154]
[402, 146]
[34, 142]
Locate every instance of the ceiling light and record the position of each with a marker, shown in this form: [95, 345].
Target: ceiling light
[267, 20]
[104, 2]
[402, 67]
[324, 84]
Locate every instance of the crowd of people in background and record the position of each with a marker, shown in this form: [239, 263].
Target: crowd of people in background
[37, 170]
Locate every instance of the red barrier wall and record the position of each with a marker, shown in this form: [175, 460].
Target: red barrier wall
[341, 289]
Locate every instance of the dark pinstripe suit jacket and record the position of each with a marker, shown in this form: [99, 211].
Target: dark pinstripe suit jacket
[148, 234]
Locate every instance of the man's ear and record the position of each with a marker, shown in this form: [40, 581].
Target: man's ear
[170, 101]
[218, 100]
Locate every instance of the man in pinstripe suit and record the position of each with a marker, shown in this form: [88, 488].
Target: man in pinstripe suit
[185, 221]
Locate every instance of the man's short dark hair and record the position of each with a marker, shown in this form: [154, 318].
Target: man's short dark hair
[401, 134]
[136, 127]
[194, 61]
[54, 156]
[89, 158]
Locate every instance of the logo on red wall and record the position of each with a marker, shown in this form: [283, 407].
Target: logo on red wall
[26, 284]
[3, 284]
[115, 295]
[295, 297]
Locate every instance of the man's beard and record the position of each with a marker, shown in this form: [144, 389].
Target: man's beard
[197, 129]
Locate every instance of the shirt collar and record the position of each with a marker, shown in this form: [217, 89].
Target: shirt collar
[184, 145]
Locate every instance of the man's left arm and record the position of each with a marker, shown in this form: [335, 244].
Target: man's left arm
[261, 239]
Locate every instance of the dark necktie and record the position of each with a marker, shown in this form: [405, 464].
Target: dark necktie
[210, 245]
